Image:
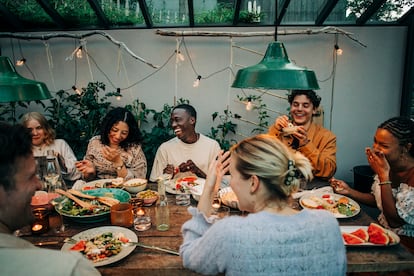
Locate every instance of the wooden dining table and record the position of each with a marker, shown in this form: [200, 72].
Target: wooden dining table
[143, 261]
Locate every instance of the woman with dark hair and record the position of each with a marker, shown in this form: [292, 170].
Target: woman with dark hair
[301, 133]
[117, 151]
[392, 159]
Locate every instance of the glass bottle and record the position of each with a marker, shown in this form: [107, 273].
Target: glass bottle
[53, 177]
[162, 215]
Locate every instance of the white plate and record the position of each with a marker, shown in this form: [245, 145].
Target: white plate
[334, 197]
[350, 229]
[91, 233]
[170, 185]
[228, 198]
[99, 183]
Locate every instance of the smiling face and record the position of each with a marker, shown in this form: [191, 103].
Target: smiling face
[183, 125]
[302, 110]
[118, 133]
[38, 132]
[17, 200]
[387, 143]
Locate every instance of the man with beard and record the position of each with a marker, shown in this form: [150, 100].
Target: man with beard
[300, 133]
[189, 151]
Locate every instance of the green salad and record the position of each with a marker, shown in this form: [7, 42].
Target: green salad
[70, 208]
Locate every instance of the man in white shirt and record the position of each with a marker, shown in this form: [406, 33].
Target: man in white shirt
[189, 151]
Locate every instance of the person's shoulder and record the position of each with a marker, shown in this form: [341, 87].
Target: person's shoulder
[207, 139]
[322, 130]
[95, 139]
[172, 141]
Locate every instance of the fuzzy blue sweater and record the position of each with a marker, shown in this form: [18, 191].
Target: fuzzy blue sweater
[308, 243]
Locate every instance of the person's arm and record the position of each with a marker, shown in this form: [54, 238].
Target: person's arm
[67, 160]
[280, 122]
[380, 166]
[321, 152]
[137, 168]
[341, 187]
[160, 163]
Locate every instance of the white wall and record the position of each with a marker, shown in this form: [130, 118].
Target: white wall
[367, 85]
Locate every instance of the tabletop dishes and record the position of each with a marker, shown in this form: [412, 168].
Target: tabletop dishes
[148, 196]
[65, 206]
[117, 232]
[229, 198]
[352, 231]
[175, 186]
[340, 206]
[135, 185]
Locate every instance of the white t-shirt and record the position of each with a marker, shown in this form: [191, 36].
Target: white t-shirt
[175, 152]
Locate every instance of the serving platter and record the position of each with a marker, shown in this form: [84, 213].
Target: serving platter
[115, 230]
[329, 202]
[350, 229]
[119, 194]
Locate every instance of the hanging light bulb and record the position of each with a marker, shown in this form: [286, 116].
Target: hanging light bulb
[79, 53]
[338, 50]
[119, 96]
[21, 62]
[197, 81]
[249, 105]
[77, 91]
[180, 56]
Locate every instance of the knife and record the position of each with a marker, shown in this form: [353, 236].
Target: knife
[154, 248]
[46, 243]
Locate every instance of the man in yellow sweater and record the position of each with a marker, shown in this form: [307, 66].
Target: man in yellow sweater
[300, 133]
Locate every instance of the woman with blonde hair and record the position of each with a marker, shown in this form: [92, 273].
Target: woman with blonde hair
[274, 239]
[44, 139]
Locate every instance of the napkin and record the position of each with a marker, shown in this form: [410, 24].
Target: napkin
[327, 189]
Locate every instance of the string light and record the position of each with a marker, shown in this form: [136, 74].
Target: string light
[20, 62]
[180, 56]
[197, 81]
[77, 91]
[249, 105]
[338, 50]
[79, 53]
[119, 96]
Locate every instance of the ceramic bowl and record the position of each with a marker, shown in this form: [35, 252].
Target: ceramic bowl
[148, 196]
[135, 185]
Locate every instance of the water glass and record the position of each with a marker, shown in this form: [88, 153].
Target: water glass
[183, 199]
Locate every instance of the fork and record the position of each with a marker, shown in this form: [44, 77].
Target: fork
[71, 240]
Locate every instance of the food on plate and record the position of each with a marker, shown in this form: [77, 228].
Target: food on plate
[374, 234]
[101, 247]
[185, 182]
[361, 233]
[69, 207]
[331, 202]
[117, 181]
[351, 239]
[310, 203]
[377, 234]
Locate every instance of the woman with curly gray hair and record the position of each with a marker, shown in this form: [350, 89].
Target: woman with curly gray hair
[274, 238]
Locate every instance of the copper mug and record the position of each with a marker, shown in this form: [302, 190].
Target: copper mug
[122, 214]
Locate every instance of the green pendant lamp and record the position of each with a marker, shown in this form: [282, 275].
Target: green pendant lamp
[14, 87]
[276, 71]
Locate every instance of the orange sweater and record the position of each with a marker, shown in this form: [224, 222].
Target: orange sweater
[320, 150]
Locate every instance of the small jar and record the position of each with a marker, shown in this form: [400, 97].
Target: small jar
[142, 221]
[40, 224]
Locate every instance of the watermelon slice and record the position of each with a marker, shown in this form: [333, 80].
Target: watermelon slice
[361, 233]
[79, 246]
[377, 234]
[351, 239]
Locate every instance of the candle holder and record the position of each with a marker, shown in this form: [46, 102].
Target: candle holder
[40, 224]
[142, 220]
